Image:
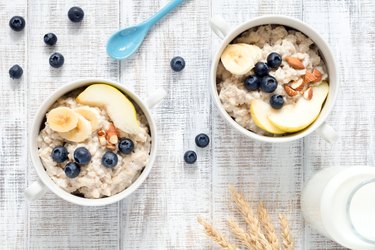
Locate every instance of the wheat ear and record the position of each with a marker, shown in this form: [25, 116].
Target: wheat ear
[286, 235]
[257, 238]
[240, 234]
[268, 227]
[216, 236]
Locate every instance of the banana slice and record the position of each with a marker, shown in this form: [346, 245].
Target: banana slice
[89, 114]
[80, 133]
[240, 58]
[62, 119]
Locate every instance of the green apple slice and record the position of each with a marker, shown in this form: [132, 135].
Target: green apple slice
[119, 108]
[259, 112]
[295, 117]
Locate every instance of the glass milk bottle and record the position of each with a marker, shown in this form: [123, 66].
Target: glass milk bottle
[339, 202]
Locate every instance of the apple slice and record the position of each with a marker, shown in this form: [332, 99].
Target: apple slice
[119, 108]
[295, 117]
[259, 112]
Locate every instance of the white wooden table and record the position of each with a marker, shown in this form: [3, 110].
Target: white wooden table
[162, 213]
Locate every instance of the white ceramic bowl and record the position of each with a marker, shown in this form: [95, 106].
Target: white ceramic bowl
[37, 189]
[227, 34]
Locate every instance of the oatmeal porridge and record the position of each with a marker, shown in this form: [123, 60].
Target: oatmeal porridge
[88, 148]
[272, 80]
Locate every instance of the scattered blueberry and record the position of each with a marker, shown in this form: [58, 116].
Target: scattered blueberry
[15, 72]
[190, 157]
[178, 63]
[17, 23]
[82, 156]
[252, 83]
[277, 101]
[59, 154]
[261, 69]
[50, 39]
[274, 60]
[75, 14]
[56, 60]
[109, 159]
[202, 140]
[125, 146]
[72, 170]
[268, 84]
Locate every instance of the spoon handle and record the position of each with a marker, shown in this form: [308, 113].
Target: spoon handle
[163, 11]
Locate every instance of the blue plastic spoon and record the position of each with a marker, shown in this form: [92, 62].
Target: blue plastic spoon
[125, 42]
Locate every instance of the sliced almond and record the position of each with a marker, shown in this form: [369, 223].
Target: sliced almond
[309, 77]
[317, 74]
[102, 141]
[294, 62]
[308, 93]
[297, 85]
[290, 91]
[101, 133]
[111, 146]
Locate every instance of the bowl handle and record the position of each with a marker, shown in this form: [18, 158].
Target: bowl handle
[328, 133]
[35, 191]
[156, 97]
[220, 26]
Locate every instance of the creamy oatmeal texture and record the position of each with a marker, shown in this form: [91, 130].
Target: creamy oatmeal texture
[95, 180]
[236, 98]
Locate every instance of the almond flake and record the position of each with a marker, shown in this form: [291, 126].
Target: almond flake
[294, 62]
[309, 77]
[308, 93]
[297, 85]
[290, 91]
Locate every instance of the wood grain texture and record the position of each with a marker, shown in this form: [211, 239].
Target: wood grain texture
[162, 213]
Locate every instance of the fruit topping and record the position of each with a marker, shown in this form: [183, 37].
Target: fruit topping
[17, 23]
[274, 60]
[76, 14]
[89, 114]
[294, 62]
[109, 159]
[252, 83]
[56, 60]
[202, 140]
[72, 170]
[81, 132]
[277, 101]
[291, 92]
[261, 69]
[119, 108]
[59, 154]
[126, 146]
[240, 58]
[177, 63]
[82, 156]
[62, 119]
[259, 112]
[15, 72]
[50, 39]
[190, 157]
[268, 84]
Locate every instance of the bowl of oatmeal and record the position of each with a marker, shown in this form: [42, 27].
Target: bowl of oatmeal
[93, 142]
[273, 79]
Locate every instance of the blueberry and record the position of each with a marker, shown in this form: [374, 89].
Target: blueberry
[56, 60]
[261, 69]
[125, 145]
[109, 159]
[252, 83]
[15, 72]
[178, 63]
[72, 170]
[75, 14]
[190, 157]
[277, 101]
[59, 154]
[202, 140]
[82, 156]
[274, 60]
[50, 39]
[268, 84]
[17, 23]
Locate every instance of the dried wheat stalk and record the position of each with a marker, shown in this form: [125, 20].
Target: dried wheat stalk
[240, 234]
[286, 235]
[258, 240]
[216, 236]
[268, 227]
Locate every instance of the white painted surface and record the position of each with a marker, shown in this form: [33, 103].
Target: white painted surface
[162, 213]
